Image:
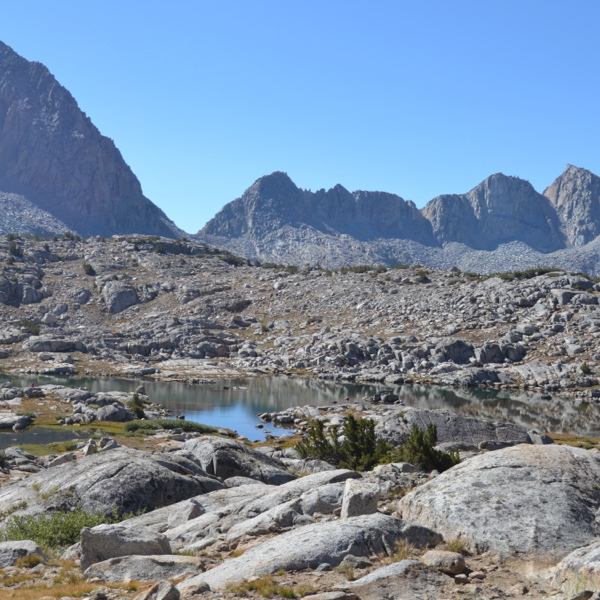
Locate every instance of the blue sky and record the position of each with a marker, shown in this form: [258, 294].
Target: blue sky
[415, 98]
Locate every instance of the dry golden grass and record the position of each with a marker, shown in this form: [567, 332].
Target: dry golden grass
[267, 587]
[68, 581]
[39, 590]
[576, 441]
[403, 551]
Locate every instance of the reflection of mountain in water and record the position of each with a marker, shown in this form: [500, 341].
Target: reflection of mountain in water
[234, 403]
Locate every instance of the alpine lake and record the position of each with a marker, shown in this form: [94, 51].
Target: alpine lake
[236, 403]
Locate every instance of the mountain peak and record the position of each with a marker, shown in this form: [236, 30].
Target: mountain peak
[276, 183]
[52, 155]
[575, 196]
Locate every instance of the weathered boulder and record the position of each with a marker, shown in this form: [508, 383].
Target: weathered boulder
[528, 499]
[110, 541]
[451, 563]
[50, 344]
[293, 513]
[115, 413]
[580, 569]
[11, 552]
[118, 296]
[129, 479]
[226, 458]
[277, 519]
[143, 568]
[450, 428]
[222, 519]
[312, 545]
[360, 498]
[11, 421]
[161, 590]
[453, 350]
[404, 580]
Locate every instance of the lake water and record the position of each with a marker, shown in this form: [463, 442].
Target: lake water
[235, 403]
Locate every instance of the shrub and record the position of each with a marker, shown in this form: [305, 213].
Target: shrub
[233, 260]
[136, 406]
[360, 448]
[418, 450]
[585, 368]
[15, 250]
[55, 530]
[30, 326]
[70, 236]
[29, 561]
[88, 269]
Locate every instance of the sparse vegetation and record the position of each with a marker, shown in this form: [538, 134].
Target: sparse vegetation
[267, 587]
[30, 326]
[455, 545]
[358, 448]
[136, 406]
[88, 269]
[364, 269]
[30, 561]
[419, 450]
[15, 250]
[233, 260]
[585, 368]
[157, 424]
[402, 551]
[72, 237]
[54, 530]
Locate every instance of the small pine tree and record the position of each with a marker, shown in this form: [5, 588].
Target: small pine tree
[136, 406]
[419, 450]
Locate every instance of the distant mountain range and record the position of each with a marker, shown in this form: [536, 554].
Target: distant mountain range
[58, 173]
[502, 224]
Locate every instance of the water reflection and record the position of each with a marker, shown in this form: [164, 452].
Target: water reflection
[234, 403]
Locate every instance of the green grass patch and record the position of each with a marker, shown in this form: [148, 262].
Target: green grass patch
[55, 530]
[156, 424]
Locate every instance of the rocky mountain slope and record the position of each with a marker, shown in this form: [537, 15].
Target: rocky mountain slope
[500, 225]
[151, 306]
[53, 158]
[221, 514]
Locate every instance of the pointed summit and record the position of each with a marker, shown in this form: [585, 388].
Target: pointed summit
[51, 154]
[575, 196]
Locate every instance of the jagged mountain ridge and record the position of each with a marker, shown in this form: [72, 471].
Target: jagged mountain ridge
[52, 155]
[503, 220]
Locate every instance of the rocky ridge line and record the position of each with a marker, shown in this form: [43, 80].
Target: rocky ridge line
[502, 224]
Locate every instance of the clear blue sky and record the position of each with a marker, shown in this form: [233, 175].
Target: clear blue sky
[416, 98]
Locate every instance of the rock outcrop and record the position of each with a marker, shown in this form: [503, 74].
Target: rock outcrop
[126, 479]
[70, 175]
[538, 501]
[312, 545]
